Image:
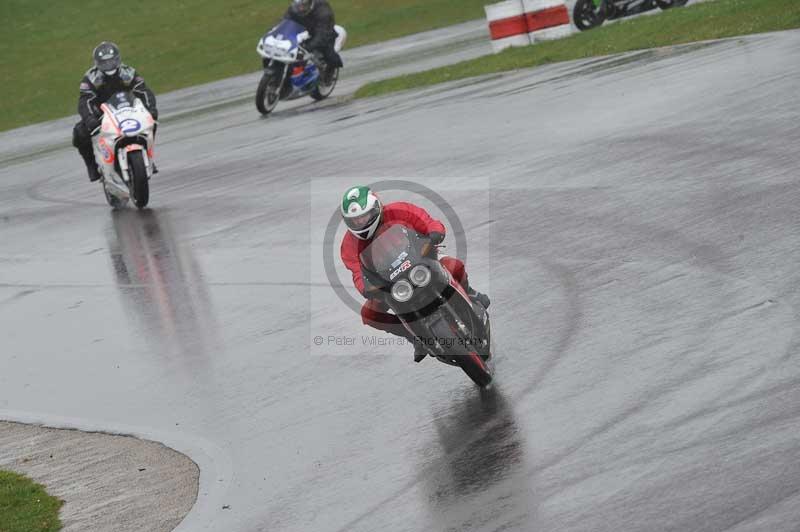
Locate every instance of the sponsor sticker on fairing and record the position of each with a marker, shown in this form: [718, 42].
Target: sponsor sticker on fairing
[403, 267]
[400, 259]
[105, 151]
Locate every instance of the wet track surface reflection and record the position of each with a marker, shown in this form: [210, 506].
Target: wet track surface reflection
[161, 285]
[481, 448]
[632, 219]
[481, 445]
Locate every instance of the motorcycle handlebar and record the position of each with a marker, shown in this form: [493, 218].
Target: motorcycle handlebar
[429, 246]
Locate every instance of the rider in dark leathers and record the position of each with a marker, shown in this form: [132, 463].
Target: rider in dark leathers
[107, 77]
[317, 17]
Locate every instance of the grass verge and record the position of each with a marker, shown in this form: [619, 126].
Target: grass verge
[25, 506]
[46, 45]
[710, 20]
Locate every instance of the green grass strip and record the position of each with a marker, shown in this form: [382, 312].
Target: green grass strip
[26, 506]
[711, 20]
[46, 45]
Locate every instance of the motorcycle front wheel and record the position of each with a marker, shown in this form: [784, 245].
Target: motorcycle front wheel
[475, 368]
[460, 353]
[587, 14]
[324, 89]
[267, 94]
[140, 187]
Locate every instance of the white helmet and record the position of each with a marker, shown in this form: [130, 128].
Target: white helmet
[362, 212]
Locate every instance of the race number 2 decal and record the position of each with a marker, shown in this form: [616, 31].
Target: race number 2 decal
[130, 125]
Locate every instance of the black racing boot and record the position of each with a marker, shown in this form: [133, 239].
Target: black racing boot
[334, 59]
[91, 167]
[94, 174]
[91, 164]
[479, 297]
[474, 295]
[328, 65]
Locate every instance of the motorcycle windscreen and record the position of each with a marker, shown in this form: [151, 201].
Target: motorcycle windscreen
[121, 100]
[388, 249]
[287, 30]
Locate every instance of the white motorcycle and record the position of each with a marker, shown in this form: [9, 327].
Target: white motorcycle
[123, 149]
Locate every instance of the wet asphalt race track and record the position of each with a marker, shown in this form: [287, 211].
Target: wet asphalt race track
[641, 218]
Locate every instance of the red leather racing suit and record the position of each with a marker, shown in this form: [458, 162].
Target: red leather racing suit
[374, 312]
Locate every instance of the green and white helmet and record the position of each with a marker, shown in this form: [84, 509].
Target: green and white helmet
[361, 210]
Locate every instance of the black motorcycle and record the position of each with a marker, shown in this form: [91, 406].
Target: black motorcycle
[402, 269]
[588, 14]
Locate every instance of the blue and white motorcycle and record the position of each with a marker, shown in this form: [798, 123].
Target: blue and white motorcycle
[290, 71]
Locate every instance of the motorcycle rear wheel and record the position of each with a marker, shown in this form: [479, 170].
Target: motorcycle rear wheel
[140, 186]
[487, 354]
[267, 94]
[667, 4]
[586, 15]
[322, 91]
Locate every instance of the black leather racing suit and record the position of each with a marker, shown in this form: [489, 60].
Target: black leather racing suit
[95, 89]
[319, 22]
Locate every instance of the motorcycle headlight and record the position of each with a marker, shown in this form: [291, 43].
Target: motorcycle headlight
[420, 275]
[402, 291]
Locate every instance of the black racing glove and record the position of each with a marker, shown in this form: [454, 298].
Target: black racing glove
[154, 113]
[436, 237]
[371, 291]
[92, 123]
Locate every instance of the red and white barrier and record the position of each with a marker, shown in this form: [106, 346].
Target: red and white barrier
[546, 19]
[507, 25]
